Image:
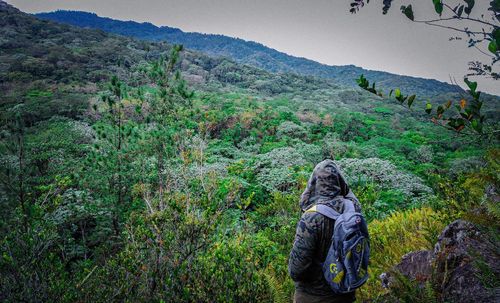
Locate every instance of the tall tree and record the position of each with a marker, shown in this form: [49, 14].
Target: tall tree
[169, 99]
[14, 169]
[115, 149]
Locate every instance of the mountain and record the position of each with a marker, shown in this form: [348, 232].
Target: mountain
[57, 67]
[251, 53]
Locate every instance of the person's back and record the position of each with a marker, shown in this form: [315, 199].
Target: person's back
[314, 233]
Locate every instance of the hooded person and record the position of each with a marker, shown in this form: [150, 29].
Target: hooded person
[314, 233]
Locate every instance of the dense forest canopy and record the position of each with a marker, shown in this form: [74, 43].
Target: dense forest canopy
[141, 171]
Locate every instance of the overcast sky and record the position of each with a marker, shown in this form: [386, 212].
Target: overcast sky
[321, 30]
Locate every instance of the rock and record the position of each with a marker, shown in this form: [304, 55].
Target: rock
[455, 234]
[416, 265]
[464, 266]
[465, 259]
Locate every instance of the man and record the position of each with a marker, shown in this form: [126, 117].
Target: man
[314, 232]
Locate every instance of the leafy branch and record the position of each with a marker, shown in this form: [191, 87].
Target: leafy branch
[468, 119]
[458, 18]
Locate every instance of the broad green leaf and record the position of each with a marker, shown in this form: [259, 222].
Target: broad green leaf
[495, 34]
[492, 47]
[472, 85]
[476, 95]
[476, 125]
[410, 100]
[495, 6]
[397, 93]
[438, 6]
[408, 12]
[428, 108]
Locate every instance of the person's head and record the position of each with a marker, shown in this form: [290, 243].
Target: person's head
[325, 183]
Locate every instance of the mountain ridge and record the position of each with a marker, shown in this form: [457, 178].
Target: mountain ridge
[252, 53]
[54, 65]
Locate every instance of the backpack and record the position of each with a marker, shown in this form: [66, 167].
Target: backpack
[346, 264]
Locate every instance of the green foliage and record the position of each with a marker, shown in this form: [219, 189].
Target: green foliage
[248, 53]
[412, 230]
[365, 84]
[438, 6]
[407, 290]
[408, 11]
[468, 116]
[486, 274]
[150, 192]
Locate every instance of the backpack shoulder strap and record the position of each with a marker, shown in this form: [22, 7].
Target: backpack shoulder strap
[325, 211]
[349, 206]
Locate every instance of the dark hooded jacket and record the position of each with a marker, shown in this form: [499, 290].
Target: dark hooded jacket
[314, 231]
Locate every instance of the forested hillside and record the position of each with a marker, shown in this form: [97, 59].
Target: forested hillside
[251, 53]
[136, 171]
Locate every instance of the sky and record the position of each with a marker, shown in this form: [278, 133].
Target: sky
[321, 30]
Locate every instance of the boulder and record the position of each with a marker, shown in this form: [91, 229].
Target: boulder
[416, 266]
[467, 264]
[463, 267]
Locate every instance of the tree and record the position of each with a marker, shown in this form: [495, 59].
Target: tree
[114, 150]
[168, 100]
[13, 175]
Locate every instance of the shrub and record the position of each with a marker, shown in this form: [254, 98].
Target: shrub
[249, 145]
[395, 236]
[385, 175]
[291, 130]
[313, 154]
[460, 167]
[334, 148]
[424, 154]
[274, 168]
[229, 272]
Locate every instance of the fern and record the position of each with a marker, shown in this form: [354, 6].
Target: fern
[275, 286]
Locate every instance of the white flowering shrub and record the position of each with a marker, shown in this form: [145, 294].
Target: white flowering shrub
[290, 130]
[77, 221]
[249, 145]
[313, 154]
[84, 130]
[424, 154]
[274, 169]
[385, 175]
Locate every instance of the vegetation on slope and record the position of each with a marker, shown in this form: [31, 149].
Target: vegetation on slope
[148, 192]
[251, 53]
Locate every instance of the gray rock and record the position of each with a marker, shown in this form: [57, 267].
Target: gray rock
[464, 266]
[465, 259]
[416, 265]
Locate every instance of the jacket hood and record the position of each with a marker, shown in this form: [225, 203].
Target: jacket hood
[325, 184]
